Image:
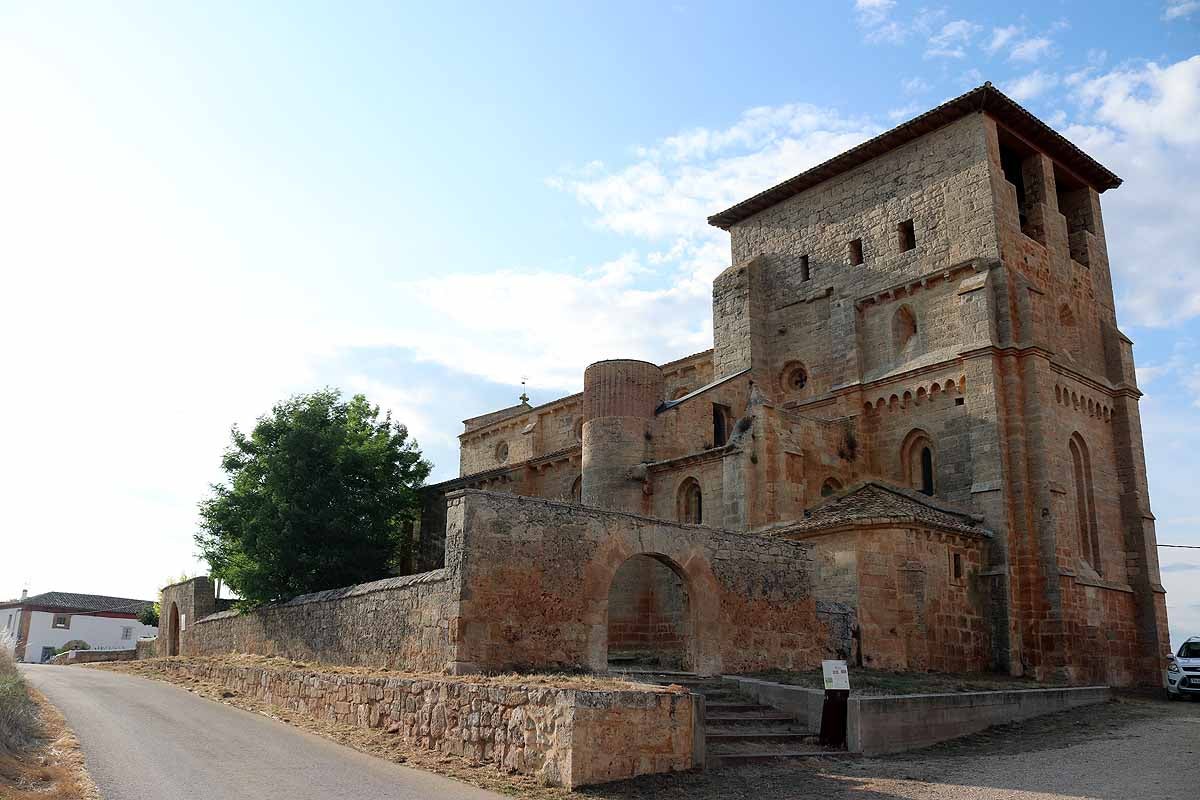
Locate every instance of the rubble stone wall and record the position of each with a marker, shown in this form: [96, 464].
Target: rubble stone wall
[397, 622]
[566, 737]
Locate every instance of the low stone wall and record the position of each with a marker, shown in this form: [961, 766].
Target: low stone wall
[400, 623]
[878, 725]
[146, 648]
[93, 656]
[566, 737]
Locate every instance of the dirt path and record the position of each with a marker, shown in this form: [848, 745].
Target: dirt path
[1127, 750]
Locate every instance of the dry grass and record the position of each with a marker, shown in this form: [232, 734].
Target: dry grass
[39, 754]
[557, 680]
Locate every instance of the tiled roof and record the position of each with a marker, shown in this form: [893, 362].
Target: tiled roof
[84, 602]
[875, 500]
[985, 98]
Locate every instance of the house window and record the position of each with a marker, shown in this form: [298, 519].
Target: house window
[907, 236]
[804, 274]
[126, 633]
[958, 569]
[721, 423]
[690, 502]
[62, 621]
[856, 252]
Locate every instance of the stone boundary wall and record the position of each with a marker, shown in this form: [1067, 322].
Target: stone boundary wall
[396, 622]
[146, 648]
[892, 724]
[879, 725]
[565, 737]
[94, 656]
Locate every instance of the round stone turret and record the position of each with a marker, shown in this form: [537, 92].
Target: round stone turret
[619, 399]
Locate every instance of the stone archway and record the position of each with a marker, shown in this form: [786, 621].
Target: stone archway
[650, 623]
[173, 630]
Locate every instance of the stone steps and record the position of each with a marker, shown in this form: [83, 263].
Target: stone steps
[739, 730]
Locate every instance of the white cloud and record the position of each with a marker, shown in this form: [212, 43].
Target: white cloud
[951, 41]
[1139, 120]
[1031, 49]
[1001, 37]
[654, 302]
[1180, 9]
[915, 85]
[874, 17]
[1030, 86]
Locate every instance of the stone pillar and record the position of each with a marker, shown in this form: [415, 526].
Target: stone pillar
[619, 399]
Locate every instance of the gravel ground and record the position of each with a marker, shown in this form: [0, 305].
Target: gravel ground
[1133, 749]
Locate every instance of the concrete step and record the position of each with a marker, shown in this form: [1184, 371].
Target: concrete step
[773, 736]
[751, 717]
[719, 760]
[736, 707]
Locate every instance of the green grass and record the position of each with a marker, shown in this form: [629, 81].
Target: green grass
[18, 714]
[886, 682]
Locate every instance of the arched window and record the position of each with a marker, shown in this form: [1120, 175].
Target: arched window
[1085, 502]
[690, 502]
[577, 490]
[904, 332]
[830, 486]
[917, 462]
[722, 424]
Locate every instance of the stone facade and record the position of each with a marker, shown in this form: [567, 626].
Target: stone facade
[565, 737]
[528, 584]
[933, 309]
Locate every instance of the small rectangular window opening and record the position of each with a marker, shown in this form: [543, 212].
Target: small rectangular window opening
[856, 252]
[804, 275]
[907, 235]
[958, 566]
[958, 401]
[62, 621]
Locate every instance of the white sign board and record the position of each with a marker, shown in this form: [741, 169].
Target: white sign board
[837, 675]
[183, 627]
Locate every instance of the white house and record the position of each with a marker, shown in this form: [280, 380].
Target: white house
[33, 628]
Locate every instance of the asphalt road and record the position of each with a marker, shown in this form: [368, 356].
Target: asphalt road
[145, 740]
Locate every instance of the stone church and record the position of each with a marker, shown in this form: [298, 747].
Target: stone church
[916, 374]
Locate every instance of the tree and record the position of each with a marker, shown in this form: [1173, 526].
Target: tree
[318, 496]
[149, 615]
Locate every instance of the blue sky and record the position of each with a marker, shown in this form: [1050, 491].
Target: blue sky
[206, 208]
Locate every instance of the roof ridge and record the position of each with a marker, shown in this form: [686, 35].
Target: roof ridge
[984, 98]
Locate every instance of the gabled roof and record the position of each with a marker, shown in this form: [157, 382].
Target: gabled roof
[985, 98]
[70, 601]
[875, 501]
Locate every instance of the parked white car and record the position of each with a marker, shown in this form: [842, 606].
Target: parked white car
[1183, 671]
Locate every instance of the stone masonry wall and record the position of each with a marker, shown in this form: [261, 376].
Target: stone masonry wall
[402, 623]
[537, 577]
[566, 737]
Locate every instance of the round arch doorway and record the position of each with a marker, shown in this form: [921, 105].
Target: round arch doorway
[651, 621]
[173, 630]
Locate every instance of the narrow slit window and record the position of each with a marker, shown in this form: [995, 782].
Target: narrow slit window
[958, 567]
[907, 235]
[856, 252]
[804, 274]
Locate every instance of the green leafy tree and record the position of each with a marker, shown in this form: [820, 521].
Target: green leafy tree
[318, 496]
[149, 615]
